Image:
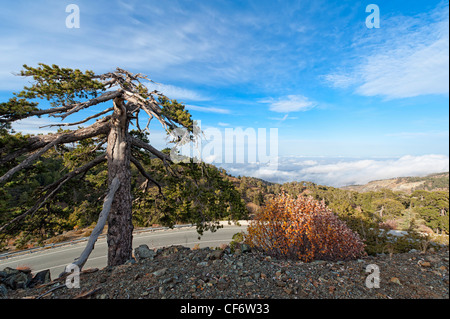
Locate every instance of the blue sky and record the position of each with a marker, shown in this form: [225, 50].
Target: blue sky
[336, 90]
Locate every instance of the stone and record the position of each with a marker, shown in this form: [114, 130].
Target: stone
[8, 271]
[143, 252]
[222, 284]
[3, 291]
[216, 254]
[202, 264]
[289, 291]
[395, 280]
[432, 259]
[18, 280]
[425, 264]
[160, 272]
[245, 248]
[40, 278]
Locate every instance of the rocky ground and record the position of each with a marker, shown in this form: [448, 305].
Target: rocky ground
[179, 272]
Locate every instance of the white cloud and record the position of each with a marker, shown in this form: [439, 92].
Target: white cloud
[339, 172]
[406, 57]
[175, 92]
[290, 103]
[208, 109]
[32, 125]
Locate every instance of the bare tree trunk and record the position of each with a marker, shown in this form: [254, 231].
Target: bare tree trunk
[120, 227]
[80, 261]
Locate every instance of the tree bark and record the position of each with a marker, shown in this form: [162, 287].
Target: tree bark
[80, 261]
[118, 152]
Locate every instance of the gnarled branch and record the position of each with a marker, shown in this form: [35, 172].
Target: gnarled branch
[39, 141]
[145, 174]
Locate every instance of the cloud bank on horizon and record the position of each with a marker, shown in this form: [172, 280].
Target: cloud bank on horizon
[338, 172]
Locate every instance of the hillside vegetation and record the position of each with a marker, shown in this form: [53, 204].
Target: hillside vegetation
[203, 194]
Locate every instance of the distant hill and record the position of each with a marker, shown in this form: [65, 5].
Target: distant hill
[433, 182]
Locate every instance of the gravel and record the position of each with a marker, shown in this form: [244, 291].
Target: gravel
[182, 273]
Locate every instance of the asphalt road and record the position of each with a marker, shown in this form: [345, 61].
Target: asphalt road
[56, 259]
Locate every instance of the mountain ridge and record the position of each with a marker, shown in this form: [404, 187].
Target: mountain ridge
[431, 182]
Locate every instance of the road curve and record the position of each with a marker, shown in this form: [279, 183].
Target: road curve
[56, 259]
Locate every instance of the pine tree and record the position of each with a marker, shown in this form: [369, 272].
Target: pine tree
[70, 91]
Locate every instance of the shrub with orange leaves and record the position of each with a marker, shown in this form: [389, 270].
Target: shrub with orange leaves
[302, 228]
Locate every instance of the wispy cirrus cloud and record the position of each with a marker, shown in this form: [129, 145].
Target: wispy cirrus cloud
[406, 57]
[208, 109]
[289, 103]
[178, 93]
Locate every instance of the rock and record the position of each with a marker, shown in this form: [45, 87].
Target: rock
[160, 272]
[131, 261]
[202, 264]
[289, 291]
[10, 271]
[40, 278]
[395, 280]
[3, 291]
[222, 284]
[143, 252]
[216, 254]
[245, 248]
[18, 280]
[432, 259]
[425, 264]
[280, 283]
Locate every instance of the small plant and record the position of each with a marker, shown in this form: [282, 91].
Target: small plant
[237, 239]
[302, 228]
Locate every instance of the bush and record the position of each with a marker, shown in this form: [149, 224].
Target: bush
[302, 228]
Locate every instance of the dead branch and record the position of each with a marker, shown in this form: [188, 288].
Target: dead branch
[80, 122]
[103, 217]
[36, 142]
[140, 144]
[73, 108]
[145, 174]
[28, 161]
